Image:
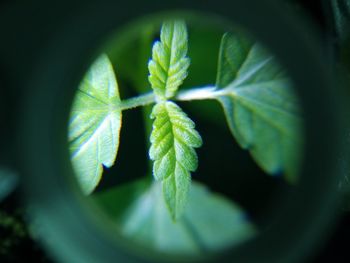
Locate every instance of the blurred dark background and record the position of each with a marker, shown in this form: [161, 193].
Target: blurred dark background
[17, 244]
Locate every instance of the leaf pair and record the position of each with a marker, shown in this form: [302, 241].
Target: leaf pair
[173, 135]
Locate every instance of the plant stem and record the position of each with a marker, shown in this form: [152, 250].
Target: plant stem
[142, 100]
[202, 93]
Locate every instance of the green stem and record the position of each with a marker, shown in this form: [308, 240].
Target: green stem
[142, 100]
[202, 93]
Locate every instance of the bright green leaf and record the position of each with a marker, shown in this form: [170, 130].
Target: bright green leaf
[95, 123]
[169, 64]
[173, 139]
[199, 229]
[262, 111]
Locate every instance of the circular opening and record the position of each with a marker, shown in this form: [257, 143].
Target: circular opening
[127, 191]
[186, 134]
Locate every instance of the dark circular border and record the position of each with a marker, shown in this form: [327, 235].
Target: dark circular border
[71, 235]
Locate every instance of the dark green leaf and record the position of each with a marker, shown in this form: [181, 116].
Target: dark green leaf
[261, 109]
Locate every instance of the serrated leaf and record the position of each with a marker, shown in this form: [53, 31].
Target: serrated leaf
[199, 230]
[261, 108]
[169, 64]
[95, 124]
[173, 139]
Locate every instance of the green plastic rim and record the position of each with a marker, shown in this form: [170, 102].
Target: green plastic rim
[70, 230]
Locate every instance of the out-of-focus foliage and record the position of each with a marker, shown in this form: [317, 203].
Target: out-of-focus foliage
[210, 222]
[341, 11]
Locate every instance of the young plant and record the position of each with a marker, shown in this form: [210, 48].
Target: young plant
[256, 94]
